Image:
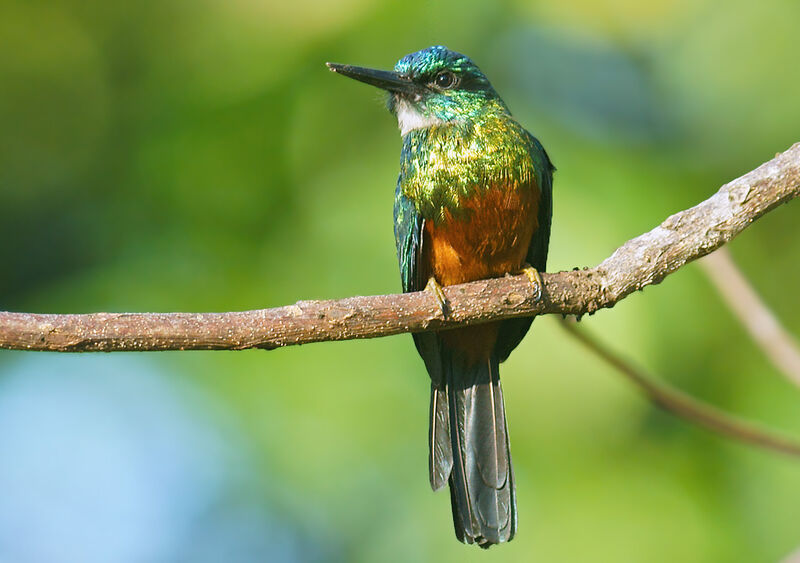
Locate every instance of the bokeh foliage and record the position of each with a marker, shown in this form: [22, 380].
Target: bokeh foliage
[161, 156]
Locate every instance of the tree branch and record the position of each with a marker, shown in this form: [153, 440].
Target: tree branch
[640, 262]
[685, 406]
[755, 316]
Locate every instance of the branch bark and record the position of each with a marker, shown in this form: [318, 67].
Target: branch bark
[640, 262]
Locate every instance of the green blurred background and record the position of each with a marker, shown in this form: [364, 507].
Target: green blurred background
[198, 156]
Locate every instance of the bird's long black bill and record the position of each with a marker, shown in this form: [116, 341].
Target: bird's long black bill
[391, 81]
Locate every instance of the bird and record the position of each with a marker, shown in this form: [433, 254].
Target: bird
[473, 200]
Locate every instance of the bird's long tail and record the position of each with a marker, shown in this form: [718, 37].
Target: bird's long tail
[469, 448]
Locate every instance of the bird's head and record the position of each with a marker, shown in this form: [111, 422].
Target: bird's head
[431, 87]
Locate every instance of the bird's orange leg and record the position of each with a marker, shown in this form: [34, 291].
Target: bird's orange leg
[535, 278]
[435, 288]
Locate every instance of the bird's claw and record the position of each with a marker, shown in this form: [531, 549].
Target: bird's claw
[435, 288]
[536, 280]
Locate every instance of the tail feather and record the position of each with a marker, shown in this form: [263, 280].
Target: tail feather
[441, 451]
[478, 462]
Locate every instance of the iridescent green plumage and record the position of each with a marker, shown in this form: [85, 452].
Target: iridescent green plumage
[475, 144]
[444, 164]
[473, 199]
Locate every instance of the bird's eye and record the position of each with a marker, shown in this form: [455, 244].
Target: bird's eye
[445, 80]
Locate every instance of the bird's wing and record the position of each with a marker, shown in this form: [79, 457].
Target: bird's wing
[513, 331]
[408, 225]
[537, 251]
[408, 228]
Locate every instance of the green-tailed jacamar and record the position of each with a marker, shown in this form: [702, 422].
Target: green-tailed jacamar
[473, 201]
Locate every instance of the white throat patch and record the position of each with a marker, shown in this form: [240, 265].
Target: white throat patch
[409, 119]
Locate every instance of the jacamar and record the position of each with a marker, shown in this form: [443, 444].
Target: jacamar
[473, 201]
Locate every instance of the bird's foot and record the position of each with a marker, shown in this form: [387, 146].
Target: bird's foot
[536, 280]
[435, 288]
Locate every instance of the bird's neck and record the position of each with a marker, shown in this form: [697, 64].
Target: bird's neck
[411, 117]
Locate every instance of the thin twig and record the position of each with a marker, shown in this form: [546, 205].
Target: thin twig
[754, 315]
[793, 557]
[684, 405]
[640, 262]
